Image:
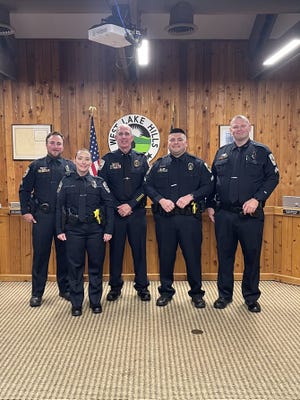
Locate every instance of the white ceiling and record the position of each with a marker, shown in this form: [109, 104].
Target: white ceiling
[215, 19]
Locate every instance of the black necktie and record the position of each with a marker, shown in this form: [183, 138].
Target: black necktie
[236, 159]
[127, 176]
[82, 200]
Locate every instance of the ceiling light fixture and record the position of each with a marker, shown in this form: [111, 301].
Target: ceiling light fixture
[282, 53]
[143, 52]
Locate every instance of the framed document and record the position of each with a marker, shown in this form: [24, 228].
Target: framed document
[29, 141]
[226, 137]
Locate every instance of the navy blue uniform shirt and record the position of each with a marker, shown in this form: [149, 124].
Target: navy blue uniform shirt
[126, 186]
[97, 196]
[41, 180]
[173, 177]
[245, 172]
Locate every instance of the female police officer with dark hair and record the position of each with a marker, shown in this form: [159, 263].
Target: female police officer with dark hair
[83, 201]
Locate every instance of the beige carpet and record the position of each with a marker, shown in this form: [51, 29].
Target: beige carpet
[136, 351]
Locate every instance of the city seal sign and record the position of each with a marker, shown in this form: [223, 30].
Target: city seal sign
[146, 135]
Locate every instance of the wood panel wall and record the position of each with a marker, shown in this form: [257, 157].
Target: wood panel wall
[280, 259]
[206, 81]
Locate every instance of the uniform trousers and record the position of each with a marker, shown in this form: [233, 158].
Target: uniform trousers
[82, 238]
[185, 230]
[43, 232]
[231, 228]
[134, 227]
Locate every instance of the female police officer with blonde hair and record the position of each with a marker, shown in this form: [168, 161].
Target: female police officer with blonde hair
[84, 219]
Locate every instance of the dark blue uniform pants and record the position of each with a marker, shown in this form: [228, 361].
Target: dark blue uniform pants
[187, 232]
[43, 232]
[83, 238]
[230, 229]
[134, 227]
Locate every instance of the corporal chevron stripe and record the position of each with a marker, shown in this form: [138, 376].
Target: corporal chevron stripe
[137, 351]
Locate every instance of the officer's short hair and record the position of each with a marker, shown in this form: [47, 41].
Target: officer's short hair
[240, 116]
[55, 133]
[177, 130]
[124, 126]
[83, 150]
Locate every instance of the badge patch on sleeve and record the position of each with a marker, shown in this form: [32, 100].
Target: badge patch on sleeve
[272, 159]
[26, 172]
[59, 187]
[101, 164]
[106, 187]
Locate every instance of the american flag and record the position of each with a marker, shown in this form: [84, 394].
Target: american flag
[94, 150]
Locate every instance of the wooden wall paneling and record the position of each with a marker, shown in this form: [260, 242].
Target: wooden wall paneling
[41, 98]
[295, 244]
[151, 246]
[211, 264]
[69, 80]
[55, 88]
[294, 127]
[277, 254]
[64, 74]
[194, 100]
[5, 111]
[267, 262]
[5, 264]
[98, 79]
[208, 250]
[83, 95]
[287, 234]
[14, 225]
[166, 91]
[218, 109]
[25, 250]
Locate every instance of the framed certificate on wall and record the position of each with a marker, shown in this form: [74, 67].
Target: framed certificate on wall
[29, 141]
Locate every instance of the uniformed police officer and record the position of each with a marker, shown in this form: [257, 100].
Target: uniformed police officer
[38, 200]
[124, 171]
[245, 176]
[84, 219]
[178, 185]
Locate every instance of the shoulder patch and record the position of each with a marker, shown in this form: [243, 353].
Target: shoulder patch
[59, 186]
[101, 164]
[272, 159]
[106, 187]
[26, 172]
[207, 167]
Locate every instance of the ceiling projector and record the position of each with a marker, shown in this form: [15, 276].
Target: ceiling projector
[110, 35]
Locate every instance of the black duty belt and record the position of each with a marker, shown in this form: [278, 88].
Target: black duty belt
[188, 210]
[233, 209]
[239, 210]
[73, 219]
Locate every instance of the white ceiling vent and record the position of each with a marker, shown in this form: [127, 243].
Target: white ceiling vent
[181, 19]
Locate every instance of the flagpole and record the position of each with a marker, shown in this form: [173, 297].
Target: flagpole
[173, 115]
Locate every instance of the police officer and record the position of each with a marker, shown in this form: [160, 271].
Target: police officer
[38, 200]
[124, 171]
[178, 185]
[84, 219]
[245, 176]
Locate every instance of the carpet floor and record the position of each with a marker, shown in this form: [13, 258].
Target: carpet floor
[137, 351]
